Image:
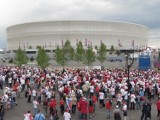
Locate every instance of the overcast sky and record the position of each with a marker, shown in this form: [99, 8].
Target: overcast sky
[145, 12]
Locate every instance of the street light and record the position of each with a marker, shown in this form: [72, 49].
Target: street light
[128, 52]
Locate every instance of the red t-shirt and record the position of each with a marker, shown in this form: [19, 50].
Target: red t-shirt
[84, 107]
[108, 105]
[52, 103]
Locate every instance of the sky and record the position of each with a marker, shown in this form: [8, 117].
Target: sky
[144, 12]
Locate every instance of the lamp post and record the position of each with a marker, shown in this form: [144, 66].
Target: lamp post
[128, 66]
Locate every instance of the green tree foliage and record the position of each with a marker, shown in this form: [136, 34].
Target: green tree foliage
[21, 57]
[72, 53]
[96, 47]
[67, 48]
[60, 56]
[32, 59]
[118, 52]
[102, 51]
[112, 50]
[89, 56]
[30, 47]
[42, 58]
[38, 46]
[79, 52]
[10, 61]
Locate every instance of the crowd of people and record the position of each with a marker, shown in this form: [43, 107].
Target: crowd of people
[79, 91]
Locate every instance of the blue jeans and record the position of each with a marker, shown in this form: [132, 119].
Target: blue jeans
[35, 111]
[84, 116]
[108, 113]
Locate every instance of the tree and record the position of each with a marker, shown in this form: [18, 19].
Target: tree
[72, 53]
[79, 52]
[67, 48]
[118, 52]
[112, 49]
[21, 57]
[30, 47]
[96, 47]
[42, 58]
[38, 46]
[10, 61]
[60, 56]
[89, 56]
[32, 59]
[102, 51]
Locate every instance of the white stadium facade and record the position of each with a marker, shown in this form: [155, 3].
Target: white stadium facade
[49, 34]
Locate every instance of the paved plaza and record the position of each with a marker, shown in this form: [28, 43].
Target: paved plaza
[17, 112]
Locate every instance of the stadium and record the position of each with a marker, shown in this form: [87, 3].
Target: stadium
[49, 34]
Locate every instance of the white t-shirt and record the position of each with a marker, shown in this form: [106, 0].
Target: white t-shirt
[124, 107]
[101, 95]
[22, 81]
[66, 116]
[48, 94]
[91, 89]
[27, 116]
[133, 98]
[34, 93]
[35, 104]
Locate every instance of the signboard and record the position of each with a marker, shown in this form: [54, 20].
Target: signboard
[144, 62]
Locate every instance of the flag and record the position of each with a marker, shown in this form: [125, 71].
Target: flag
[90, 43]
[76, 41]
[27, 44]
[56, 44]
[24, 45]
[133, 43]
[50, 44]
[119, 43]
[86, 42]
[62, 43]
[19, 44]
[45, 45]
[100, 42]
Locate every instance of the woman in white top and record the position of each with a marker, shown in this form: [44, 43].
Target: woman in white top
[28, 116]
[67, 115]
[101, 99]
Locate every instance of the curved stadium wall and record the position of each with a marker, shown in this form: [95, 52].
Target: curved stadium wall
[49, 34]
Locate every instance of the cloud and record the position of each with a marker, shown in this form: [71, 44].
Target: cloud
[145, 12]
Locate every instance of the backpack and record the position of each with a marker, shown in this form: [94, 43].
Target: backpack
[91, 103]
[117, 116]
[110, 102]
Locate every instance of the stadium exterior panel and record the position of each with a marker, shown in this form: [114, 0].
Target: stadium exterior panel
[49, 34]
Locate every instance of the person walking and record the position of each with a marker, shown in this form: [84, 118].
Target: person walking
[117, 113]
[45, 106]
[35, 106]
[61, 103]
[67, 115]
[39, 116]
[144, 111]
[108, 107]
[84, 108]
[158, 107]
[124, 109]
[29, 95]
[91, 108]
[28, 116]
[74, 104]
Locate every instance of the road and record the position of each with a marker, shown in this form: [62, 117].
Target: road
[16, 113]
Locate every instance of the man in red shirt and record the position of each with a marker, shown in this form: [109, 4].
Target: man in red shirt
[52, 105]
[62, 105]
[108, 107]
[84, 109]
[158, 107]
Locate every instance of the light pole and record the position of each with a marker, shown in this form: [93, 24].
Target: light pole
[128, 66]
